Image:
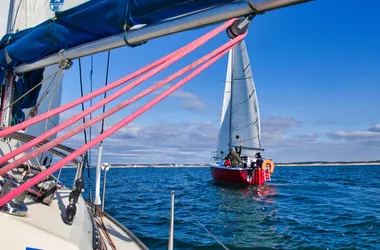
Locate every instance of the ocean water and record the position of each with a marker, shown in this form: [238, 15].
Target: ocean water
[335, 207]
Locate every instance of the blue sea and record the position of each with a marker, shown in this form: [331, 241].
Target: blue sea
[336, 207]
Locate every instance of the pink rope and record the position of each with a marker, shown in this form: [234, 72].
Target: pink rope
[112, 97]
[113, 85]
[115, 109]
[43, 175]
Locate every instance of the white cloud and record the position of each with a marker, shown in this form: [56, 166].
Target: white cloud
[188, 99]
[375, 128]
[355, 136]
[342, 146]
[162, 143]
[192, 142]
[279, 124]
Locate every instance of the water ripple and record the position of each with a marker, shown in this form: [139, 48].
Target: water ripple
[302, 208]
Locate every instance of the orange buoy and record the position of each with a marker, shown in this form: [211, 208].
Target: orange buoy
[270, 163]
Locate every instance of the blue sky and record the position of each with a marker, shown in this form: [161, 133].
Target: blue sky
[316, 68]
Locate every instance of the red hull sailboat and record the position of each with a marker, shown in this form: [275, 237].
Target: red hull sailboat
[239, 176]
[240, 125]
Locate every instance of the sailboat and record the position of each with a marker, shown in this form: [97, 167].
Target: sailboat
[240, 129]
[42, 38]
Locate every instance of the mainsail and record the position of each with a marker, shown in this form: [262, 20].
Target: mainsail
[240, 118]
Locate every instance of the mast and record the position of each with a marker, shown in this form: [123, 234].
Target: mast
[231, 94]
[10, 16]
[171, 26]
[8, 89]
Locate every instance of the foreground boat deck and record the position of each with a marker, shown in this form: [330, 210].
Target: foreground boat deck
[43, 228]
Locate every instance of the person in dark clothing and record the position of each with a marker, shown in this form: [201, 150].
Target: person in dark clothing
[259, 160]
[234, 158]
[238, 151]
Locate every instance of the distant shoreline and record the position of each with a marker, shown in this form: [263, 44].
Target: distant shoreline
[327, 164]
[301, 164]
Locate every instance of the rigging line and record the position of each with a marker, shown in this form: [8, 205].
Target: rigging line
[160, 63]
[30, 90]
[102, 233]
[81, 93]
[38, 178]
[46, 91]
[102, 243]
[158, 68]
[200, 224]
[207, 60]
[105, 84]
[91, 88]
[41, 98]
[96, 106]
[52, 98]
[109, 238]
[168, 192]
[262, 143]
[84, 131]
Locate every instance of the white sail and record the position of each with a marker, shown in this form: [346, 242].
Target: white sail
[26, 14]
[224, 130]
[240, 119]
[29, 13]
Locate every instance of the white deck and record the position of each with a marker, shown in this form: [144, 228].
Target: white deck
[120, 238]
[43, 228]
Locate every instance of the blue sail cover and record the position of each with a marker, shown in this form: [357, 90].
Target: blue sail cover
[152, 11]
[90, 21]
